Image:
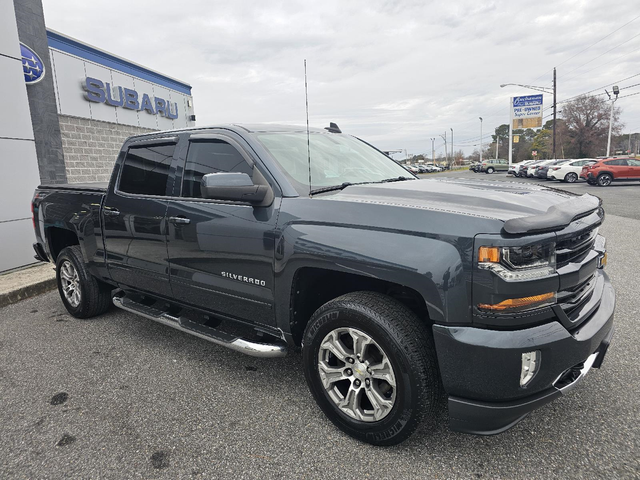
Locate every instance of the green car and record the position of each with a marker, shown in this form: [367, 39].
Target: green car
[494, 165]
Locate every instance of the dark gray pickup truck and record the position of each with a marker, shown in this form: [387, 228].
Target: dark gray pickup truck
[399, 291]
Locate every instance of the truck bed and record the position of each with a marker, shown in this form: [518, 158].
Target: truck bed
[88, 187]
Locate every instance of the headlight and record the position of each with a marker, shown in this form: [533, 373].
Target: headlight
[519, 263]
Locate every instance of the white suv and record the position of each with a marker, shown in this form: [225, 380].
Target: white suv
[570, 171]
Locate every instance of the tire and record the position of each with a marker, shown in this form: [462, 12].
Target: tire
[93, 297]
[604, 180]
[490, 170]
[571, 177]
[396, 334]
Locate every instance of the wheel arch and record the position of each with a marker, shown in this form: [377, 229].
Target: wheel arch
[312, 287]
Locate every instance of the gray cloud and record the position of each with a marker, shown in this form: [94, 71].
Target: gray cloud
[393, 72]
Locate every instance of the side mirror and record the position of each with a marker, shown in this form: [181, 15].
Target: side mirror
[232, 186]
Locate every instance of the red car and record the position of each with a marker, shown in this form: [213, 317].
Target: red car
[608, 170]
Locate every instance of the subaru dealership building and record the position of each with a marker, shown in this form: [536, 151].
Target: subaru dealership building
[72, 105]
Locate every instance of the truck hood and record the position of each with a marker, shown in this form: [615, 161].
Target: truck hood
[490, 199]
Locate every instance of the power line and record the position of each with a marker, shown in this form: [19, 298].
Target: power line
[601, 55]
[595, 43]
[584, 50]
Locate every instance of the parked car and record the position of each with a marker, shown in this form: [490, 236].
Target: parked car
[604, 172]
[216, 232]
[570, 171]
[531, 168]
[516, 168]
[494, 165]
[412, 169]
[422, 168]
[541, 171]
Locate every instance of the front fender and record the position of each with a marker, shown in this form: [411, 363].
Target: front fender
[433, 266]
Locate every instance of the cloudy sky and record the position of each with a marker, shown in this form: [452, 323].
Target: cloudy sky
[395, 73]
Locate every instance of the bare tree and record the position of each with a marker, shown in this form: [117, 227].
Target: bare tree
[587, 123]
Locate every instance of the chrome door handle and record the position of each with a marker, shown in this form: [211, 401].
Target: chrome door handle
[111, 212]
[179, 220]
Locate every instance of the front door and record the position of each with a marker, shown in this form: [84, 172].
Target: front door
[221, 253]
[134, 219]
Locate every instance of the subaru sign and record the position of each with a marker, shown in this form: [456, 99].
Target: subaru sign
[115, 96]
[32, 65]
[526, 111]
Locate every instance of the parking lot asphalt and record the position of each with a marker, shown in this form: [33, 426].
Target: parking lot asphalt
[119, 396]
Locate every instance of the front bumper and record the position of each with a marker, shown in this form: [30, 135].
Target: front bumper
[480, 368]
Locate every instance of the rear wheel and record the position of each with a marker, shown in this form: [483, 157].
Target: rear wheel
[604, 179]
[370, 365]
[82, 294]
[571, 177]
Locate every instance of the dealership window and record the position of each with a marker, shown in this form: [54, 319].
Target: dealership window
[146, 170]
[213, 156]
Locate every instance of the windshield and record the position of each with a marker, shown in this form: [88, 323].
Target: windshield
[335, 159]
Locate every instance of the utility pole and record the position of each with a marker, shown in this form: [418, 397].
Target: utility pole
[629, 149]
[554, 113]
[444, 137]
[433, 151]
[453, 159]
[497, 144]
[480, 139]
[616, 90]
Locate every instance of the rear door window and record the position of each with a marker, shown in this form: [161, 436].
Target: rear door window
[146, 170]
[618, 162]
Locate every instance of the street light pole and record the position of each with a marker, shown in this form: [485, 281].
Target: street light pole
[616, 90]
[480, 139]
[433, 151]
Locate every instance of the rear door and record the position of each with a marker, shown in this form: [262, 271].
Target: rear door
[633, 169]
[221, 253]
[618, 168]
[134, 217]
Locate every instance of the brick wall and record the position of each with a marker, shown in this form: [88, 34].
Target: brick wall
[91, 147]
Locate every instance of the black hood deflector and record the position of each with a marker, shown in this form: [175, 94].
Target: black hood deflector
[555, 218]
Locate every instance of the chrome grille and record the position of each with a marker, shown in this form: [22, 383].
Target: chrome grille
[576, 248]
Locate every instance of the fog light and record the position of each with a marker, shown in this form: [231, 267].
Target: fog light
[530, 365]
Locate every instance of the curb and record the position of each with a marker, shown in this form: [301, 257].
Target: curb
[27, 291]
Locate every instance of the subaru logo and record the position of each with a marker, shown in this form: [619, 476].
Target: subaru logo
[32, 65]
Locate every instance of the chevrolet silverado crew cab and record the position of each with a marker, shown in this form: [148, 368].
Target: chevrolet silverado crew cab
[400, 292]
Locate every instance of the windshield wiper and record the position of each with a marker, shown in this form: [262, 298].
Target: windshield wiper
[396, 179]
[344, 185]
[332, 188]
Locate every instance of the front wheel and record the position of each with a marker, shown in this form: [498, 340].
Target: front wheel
[604, 180]
[370, 364]
[571, 177]
[490, 170]
[82, 294]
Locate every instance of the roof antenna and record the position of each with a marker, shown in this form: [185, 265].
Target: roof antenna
[306, 101]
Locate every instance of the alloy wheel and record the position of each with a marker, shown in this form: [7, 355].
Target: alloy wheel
[571, 177]
[70, 281]
[604, 180]
[357, 375]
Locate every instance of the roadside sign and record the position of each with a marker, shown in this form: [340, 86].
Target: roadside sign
[516, 138]
[534, 153]
[526, 111]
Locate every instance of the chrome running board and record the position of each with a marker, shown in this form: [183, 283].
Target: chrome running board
[254, 349]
